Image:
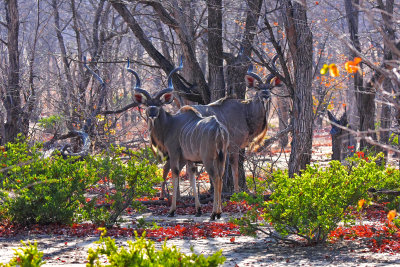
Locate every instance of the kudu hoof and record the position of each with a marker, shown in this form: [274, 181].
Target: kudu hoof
[171, 214]
[198, 213]
[212, 217]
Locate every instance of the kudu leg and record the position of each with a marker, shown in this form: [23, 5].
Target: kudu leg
[164, 188]
[190, 169]
[234, 161]
[219, 196]
[215, 200]
[175, 183]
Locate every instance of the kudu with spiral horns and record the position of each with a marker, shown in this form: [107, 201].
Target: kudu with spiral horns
[185, 137]
[245, 120]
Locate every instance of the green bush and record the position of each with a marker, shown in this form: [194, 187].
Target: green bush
[139, 253]
[142, 253]
[41, 190]
[52, 123]
[130, 180]
[143, 154]
[311, 205]
[28, 256]
[34, 189]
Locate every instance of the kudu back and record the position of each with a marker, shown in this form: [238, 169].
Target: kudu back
[185, 137]
[245, 120]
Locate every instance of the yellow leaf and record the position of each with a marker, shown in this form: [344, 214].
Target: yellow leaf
[333, 70]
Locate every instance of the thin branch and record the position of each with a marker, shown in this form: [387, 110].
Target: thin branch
[279, 51]
[162, 13]
[132, 105]
[364, 134]
[271, 140]
[4, 42]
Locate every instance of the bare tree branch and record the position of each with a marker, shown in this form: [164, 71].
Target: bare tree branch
[132, 105]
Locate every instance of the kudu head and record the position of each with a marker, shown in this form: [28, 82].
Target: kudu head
[256, 82]
[153, 103]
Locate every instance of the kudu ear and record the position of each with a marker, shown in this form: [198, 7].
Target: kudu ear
[276, 82]
[250, 81]
[139, 98]
[167, 98]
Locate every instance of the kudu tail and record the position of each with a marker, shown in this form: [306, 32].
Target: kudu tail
[258, 141]
[222, 141]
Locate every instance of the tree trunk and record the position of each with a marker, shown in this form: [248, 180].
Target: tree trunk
[365, 96]
[300, 45]
[386, 115]
[389, 41]
[15, 122]
[216, 81]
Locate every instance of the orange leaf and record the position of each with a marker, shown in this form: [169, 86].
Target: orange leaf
[361, 203]
[391, 215]
[357, 60]
[351, 67]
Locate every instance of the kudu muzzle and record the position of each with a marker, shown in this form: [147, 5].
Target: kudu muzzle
[265, 94]
[152, 114]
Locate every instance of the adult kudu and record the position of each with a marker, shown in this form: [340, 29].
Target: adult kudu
[245, 120]
[185, 137]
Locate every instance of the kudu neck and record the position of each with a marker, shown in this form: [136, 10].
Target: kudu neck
[161, 124]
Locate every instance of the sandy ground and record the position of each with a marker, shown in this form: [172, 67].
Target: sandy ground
[245, 251]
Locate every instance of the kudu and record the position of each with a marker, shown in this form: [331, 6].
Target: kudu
[245, 120]
[185, 138]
